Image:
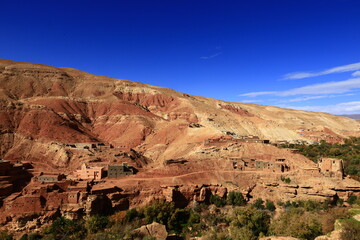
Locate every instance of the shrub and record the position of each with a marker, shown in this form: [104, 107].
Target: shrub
[178, 220]
[4, 235]
[328, 218]
[217, 201]
[96, 223]
[236, 199]
[194, 218]
[249, 223]
[340, 202]
[132, 214]
[34, 236]
[118, 217]
[352, 199]
[259, 204]
[159, 211]
[63, 228]
[311, 205]
[286, 180]
[269, 205]
[350, 229]
[200, 207]
[297, 223]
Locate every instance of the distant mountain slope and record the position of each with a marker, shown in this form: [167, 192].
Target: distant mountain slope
[43, 105]
[353, 116]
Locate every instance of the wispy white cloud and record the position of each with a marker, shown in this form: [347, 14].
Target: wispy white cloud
[302, 99]
[356, 74]
[211, 56]
[338, 87]
[306, 98]
[252, 101]
[340, 108]
[340, 69]
[255, 94]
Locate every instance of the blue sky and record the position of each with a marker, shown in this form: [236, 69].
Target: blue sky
[240, 51]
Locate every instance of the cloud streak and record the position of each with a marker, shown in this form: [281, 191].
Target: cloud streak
[356, 74]
[338, 87]
[211, 56]
[341, 108]
[307, 98]
[252, 101]
[339, 69]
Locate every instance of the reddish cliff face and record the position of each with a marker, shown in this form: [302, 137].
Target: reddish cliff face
[184, 147]
[42, 104]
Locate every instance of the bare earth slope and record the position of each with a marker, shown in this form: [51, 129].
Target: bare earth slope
[184, 147]
[42, 104]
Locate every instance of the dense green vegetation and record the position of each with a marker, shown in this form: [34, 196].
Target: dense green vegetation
[230, 218]
[349, 151]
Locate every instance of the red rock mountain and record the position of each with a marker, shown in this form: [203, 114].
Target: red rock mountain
[43, 107]
[184, 147]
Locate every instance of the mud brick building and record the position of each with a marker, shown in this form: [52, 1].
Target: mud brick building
[331, 167]
[90, 173]
[48, 178]
[116, 171]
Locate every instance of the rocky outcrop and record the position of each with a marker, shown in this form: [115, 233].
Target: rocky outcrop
[154, 230]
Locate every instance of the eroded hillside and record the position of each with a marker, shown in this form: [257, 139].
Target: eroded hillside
[42, 104]
[92, 144]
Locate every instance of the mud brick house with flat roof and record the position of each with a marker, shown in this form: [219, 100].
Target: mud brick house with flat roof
[90, 173]
[331, 167]
[82, 186]
[26, 204]
[73, 197]
[271, 166]
[47, 178]
[116, 171]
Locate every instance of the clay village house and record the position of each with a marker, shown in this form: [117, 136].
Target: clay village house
[116, 171]
[251, 164]
[331, 167]
[26, 204]
[90, 173]
[48, 178]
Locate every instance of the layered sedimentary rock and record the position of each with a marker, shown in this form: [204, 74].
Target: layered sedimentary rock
[184, 148]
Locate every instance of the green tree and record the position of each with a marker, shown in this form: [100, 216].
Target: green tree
[236, 199]
[297, 223]
[269, 205]
[96, 223]
[352, 199]
[63, 228]
[159, 211]
[259, 204]
[132, 214]
[178, 220]
[249, 223]
[217, 201]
